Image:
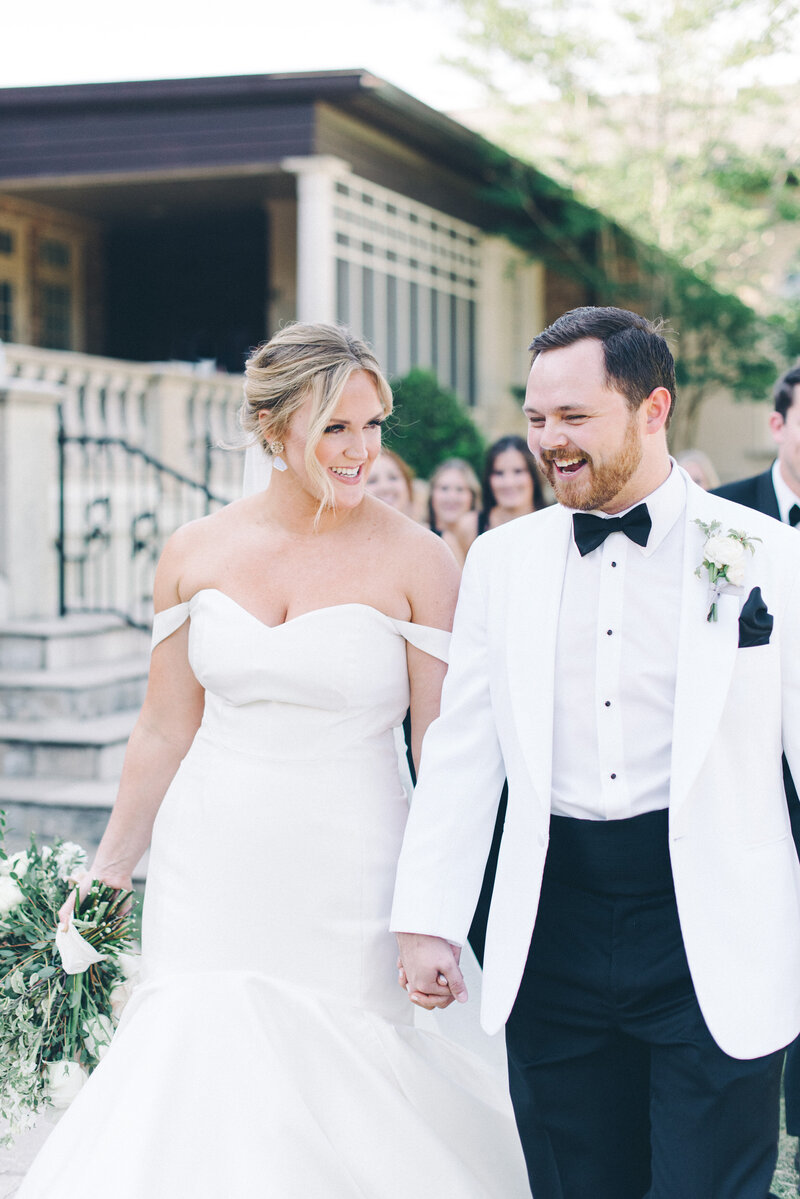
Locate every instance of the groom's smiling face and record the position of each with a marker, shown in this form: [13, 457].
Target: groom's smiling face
[588, 440]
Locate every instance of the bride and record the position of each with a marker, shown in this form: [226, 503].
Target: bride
[268, 1050]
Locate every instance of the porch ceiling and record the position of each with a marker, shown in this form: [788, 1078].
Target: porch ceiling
[157, 196]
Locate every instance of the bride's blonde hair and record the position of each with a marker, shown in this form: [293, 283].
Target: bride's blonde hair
[304, 360]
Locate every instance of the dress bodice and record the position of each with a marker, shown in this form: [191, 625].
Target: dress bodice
[328, 678]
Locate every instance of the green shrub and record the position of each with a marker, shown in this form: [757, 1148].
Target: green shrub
[429, 424]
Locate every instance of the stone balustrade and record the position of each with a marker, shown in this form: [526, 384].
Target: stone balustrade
[106, 495]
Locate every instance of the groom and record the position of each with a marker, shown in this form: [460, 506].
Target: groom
[643, 942]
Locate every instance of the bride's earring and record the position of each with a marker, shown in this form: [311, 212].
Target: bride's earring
[276, 448]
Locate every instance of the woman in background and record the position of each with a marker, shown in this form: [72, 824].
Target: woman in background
[392, 480]
[699, 468]
[454, 491]
[511, 488]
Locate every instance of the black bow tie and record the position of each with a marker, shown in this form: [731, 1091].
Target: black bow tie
[794, 515]
[591, 531]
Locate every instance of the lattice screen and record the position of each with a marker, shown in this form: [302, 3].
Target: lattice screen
[407, 279]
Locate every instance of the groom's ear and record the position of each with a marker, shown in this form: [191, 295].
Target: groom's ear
[657, 408]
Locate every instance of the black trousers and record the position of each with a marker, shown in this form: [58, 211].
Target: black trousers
[619, 1090]
[791, 1073]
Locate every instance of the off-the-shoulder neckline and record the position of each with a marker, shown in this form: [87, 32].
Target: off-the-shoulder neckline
[302, 615]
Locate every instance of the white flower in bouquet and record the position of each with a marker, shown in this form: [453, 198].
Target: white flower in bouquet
[97, 1034]
[120, 994]
[10, 895]
[17, 863]
[130, 964]
[63, 1080]
[69, 857]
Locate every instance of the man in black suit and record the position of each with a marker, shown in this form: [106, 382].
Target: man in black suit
[777, 493]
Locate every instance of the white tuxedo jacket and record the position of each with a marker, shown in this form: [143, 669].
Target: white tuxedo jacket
[736, 872]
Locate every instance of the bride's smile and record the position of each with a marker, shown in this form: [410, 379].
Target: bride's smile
[331, 462]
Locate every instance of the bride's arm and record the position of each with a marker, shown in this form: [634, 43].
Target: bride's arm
[164, 730]
[432, 596]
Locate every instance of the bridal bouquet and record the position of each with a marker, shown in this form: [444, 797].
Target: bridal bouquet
[61, 992]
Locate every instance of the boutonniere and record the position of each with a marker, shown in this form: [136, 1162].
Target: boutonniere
[723, 558]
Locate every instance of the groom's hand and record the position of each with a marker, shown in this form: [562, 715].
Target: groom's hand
[429, 970]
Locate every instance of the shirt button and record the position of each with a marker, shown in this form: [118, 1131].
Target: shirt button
[613, 564]
[608, 703]
[613, 776]
[609, 632]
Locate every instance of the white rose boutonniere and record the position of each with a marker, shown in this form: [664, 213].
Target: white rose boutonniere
[724, 558]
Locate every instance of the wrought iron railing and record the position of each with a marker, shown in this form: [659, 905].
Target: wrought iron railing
[142, 449]
[117, 506]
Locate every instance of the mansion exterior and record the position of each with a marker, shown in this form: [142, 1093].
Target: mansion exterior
[186, 219]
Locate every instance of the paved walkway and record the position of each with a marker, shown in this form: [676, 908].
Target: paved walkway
[15, 1161]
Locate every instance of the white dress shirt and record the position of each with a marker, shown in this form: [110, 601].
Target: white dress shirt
[616, 662]
[786, 497]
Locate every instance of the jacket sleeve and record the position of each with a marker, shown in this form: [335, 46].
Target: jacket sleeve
[452, 816]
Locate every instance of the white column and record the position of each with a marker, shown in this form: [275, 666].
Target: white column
[510, 314]
[28, 499]
[316, 249]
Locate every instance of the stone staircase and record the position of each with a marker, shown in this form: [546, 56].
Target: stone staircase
[70, 690]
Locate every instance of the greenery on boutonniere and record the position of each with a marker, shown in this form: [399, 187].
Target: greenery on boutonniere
[724, 559]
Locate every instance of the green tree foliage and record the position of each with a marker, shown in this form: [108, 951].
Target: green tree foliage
[429, 424]
[655, 114]
[718, 341]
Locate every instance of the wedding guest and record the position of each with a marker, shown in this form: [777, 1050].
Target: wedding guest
[699, 468]
[634, 670]
[392, 480]
[268, 1050]
[776, 492]
[510, 488]
[454, 491]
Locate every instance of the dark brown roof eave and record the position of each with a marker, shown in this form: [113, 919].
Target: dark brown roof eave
[304, 85]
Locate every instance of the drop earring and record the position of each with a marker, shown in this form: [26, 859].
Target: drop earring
[276, 448]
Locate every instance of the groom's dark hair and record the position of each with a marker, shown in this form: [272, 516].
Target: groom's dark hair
[637, 358]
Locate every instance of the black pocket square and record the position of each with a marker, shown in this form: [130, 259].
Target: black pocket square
[755, 621]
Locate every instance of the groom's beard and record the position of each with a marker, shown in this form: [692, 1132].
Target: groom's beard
[597, 483]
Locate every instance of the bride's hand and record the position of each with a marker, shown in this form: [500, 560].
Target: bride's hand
[428, 969]
[84, 880]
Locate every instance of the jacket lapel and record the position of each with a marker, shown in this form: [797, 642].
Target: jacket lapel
[706, 655]
[533, 605]
[767, 500]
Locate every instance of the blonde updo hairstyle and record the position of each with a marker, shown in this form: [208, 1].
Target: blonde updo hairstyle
[304, 360]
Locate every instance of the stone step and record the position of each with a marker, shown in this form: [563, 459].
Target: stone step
[51, 808]
[68, 641]
[81, 692]
[65, 748]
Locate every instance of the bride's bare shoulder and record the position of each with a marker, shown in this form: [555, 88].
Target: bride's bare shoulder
[192, 546]
[406, 535]
[425, 567]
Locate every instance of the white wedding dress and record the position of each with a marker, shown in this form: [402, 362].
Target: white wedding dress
[268, 1051]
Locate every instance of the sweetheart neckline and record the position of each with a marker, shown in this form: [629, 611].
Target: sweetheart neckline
[313, 611]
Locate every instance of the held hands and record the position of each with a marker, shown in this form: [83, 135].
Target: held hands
[428, 970]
